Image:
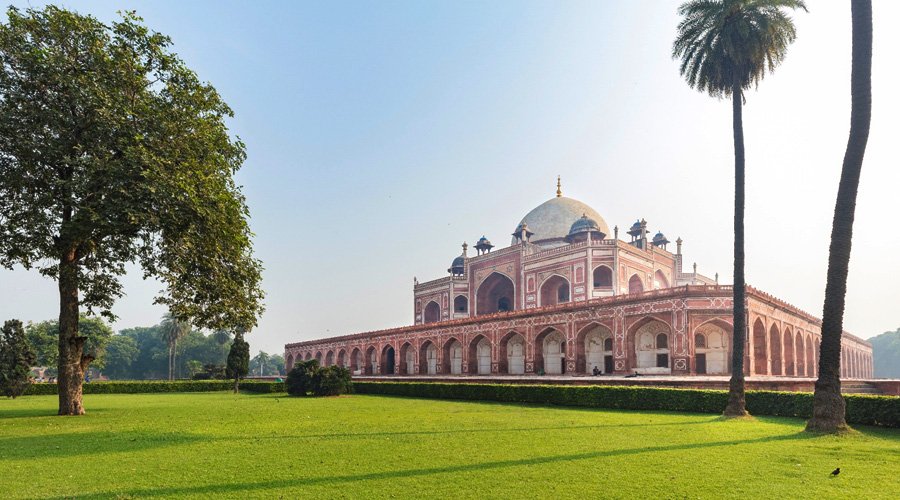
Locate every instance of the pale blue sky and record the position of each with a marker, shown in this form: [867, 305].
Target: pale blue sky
[380, 136]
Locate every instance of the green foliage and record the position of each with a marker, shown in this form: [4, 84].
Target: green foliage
[210, 372]
[301, 379]
[157, 386]
[16, 359]
[121, 352]
[238, 358]
[111, 151]
[267, 364]
[886, 354]
[861, 409]
[44, 336]
[332, 380]
[308, 378]
[727, 44]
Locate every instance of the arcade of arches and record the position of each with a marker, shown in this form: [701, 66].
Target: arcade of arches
[614, 336]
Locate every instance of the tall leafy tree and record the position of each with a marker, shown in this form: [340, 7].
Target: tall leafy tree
[828, 404]
[260, 363]
[121, 352]
[173, 329]
[112, 151]
[238, 364]
[726, 47]
[16, 359]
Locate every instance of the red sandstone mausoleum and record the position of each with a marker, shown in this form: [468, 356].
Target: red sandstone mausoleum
[566, 297]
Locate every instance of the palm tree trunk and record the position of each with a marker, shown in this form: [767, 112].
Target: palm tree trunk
[171, 361]
[736, 403]
[828, 404]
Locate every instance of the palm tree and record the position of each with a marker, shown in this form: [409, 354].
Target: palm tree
[828, 405]
[725, 47]
[173, 330]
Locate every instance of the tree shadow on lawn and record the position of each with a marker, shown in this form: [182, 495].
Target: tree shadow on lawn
[50, 446]
[214, 489]
[9, 414]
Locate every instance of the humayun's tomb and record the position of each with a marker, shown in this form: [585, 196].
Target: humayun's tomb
[567, 297]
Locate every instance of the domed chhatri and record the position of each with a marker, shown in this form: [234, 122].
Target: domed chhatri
[584, 227]
[551, 221]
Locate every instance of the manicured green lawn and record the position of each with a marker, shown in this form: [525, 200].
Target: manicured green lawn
[270, 446]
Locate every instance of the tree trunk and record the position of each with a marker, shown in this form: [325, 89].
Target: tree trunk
[736, 402]
[71, 364]
[236, 385]
[828, 404]
[171, 362]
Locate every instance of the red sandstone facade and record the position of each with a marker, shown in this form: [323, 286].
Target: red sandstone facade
[564, 298]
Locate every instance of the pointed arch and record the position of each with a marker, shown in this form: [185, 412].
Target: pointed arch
[428, 364]
[342, 358]
[452, 356]
[356, 361]
[511, 355]
[603, 276]
[650, 346]
[635, 284]
[480, 350]
[787, 346]
[371, 361]
[713, 346]
[388, 363]
[800, 350]
[660, 280]
[591, 349]
[550, 352]
[461, 304]
[775, 356]
[760, 358]
[554, 290]
[407, 361]
[432, 312]
[329, 358]
[496, 293]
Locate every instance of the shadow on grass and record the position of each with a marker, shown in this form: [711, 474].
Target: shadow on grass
[423, 472]
[52, 446]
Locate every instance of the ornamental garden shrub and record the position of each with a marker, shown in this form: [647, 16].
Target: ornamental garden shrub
[332, 381]
[16, 359]
[308, 378]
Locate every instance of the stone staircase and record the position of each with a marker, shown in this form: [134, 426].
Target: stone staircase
[859, 387]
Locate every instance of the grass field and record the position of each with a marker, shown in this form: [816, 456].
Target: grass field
[271, 446]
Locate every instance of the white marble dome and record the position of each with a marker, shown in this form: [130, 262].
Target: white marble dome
[550, 221]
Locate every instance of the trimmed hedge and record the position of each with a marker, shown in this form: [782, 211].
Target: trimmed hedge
[156, 386]
[861, 409]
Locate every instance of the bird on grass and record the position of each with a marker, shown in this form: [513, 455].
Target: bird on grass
[835, 472]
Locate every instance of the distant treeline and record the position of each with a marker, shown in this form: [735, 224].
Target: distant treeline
[886, 350]
[142, 353]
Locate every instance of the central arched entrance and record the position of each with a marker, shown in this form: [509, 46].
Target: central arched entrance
[594, 350]
[495, 294]
[651, 348]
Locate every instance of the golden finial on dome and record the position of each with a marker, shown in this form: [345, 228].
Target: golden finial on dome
[558, 187]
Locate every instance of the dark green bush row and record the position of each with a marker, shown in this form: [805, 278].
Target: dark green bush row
[861, 409]
[145, 386]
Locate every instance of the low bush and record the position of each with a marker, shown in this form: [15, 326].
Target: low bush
[861, 409]
[308, 378]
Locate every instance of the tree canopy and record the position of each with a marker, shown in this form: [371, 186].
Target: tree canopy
[112, 151]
